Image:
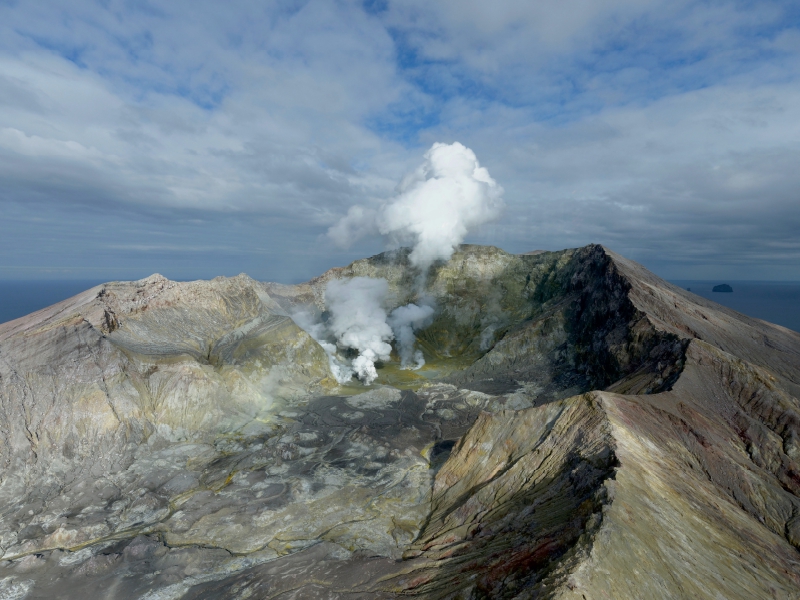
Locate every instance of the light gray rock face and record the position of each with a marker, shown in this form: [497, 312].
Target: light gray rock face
[126, 359]
[582, 430]
[95, 387]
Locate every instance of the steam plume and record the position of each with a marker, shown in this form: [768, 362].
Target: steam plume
[435, 206]
[433, 210]
[313, 325]
[405, 320]
[358, 321]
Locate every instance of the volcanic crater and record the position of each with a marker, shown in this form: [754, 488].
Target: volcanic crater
[580, 429]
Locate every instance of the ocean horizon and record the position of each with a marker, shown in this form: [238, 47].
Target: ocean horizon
[20, 298]
[774, 301]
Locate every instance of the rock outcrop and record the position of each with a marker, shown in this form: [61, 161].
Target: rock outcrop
[582, 430]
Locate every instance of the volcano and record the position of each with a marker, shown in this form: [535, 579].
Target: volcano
[580, 429]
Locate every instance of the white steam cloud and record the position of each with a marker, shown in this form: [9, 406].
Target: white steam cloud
[434, 209]
[358, 321]
[405, 321]
[312, 324]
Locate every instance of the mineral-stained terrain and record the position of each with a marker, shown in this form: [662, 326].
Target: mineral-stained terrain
[582, 429]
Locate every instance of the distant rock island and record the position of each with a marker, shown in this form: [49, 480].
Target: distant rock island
[723, 287]
[581, 429]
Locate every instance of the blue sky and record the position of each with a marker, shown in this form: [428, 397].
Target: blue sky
[199, 139]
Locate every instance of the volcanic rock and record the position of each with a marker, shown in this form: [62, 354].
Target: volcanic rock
[582, 429]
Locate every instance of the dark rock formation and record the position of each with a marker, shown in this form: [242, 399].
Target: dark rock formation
[723, 287]
[582, 430]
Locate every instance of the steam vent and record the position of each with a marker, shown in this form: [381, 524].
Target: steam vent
[580, 429]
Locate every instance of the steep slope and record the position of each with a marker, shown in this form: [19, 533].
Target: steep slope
[688, 493]
[704, 497]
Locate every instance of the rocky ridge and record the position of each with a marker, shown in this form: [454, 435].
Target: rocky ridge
[583, 430]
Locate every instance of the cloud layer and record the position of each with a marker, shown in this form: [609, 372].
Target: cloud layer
[197, 139]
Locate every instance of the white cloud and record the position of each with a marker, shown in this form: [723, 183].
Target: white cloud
[282, 125]
[666, 130]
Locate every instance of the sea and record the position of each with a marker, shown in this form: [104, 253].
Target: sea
[774, 301]
[19, 298]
